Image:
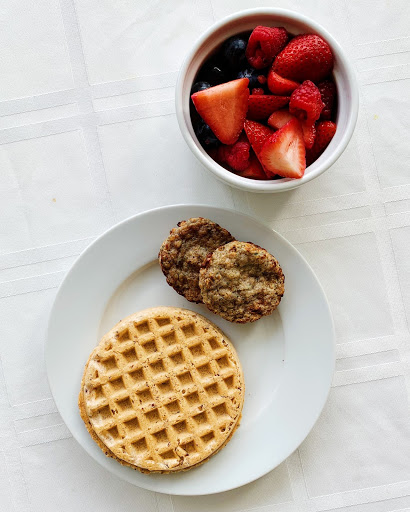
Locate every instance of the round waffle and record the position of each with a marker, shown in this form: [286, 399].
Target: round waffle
[162, 391]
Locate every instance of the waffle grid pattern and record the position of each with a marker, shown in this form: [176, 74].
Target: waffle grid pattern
[164, 393]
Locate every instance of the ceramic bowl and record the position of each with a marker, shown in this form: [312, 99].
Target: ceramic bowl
[295, 23]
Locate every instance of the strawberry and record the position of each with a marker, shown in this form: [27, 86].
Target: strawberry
[327, 91]
[309, 133]
[306, 57]
[261, 106]
[279, 118]
[254, 170]
[279, 85]
[257, 134]
[258, 91]
[306, 104]
[235, 155]
[284, 152]
[264, 44]
[224, 108]
[325, 131]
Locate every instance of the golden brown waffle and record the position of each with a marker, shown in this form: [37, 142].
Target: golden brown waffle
[163, 390]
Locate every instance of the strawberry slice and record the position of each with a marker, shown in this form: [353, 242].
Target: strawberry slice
[280, 118]
[224, 108]
[254, 170]
[284, 152]
[257, 134]
[309, 133]
[261, 106]
[279, 85]
[325, 131]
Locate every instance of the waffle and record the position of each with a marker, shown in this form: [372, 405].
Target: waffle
[162, 391]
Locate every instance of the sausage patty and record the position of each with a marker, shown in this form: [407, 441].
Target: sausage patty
[241, 282]
[183, 253]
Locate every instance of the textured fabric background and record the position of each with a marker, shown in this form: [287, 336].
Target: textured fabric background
[88, 136]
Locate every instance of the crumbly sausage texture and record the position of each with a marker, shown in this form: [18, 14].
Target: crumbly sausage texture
[183, 253]
[241, 282]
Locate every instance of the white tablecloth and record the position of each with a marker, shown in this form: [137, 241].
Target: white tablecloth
[88, 136]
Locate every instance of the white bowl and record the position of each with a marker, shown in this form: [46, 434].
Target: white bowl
[295, 23]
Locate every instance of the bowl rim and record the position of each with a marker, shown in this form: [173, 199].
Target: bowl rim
[268, 185]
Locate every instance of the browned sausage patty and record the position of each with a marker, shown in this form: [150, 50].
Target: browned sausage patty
[184, 251]
[241, 282]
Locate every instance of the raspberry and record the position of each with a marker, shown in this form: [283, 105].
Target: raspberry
[258, 91]
[264, 44]
[306, 102]
[236, 155]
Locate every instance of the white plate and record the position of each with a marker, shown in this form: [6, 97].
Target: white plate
[287, 358]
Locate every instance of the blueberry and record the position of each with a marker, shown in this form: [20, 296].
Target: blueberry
[195, 117]
[205, 135]
[212, 72]
[200, 86]
[252, 74]
[233, 53]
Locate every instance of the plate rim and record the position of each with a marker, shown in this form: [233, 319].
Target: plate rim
[332, 339]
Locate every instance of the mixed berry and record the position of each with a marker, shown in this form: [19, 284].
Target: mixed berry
[264, 105]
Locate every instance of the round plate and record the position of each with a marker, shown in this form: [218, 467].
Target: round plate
[287, 358]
